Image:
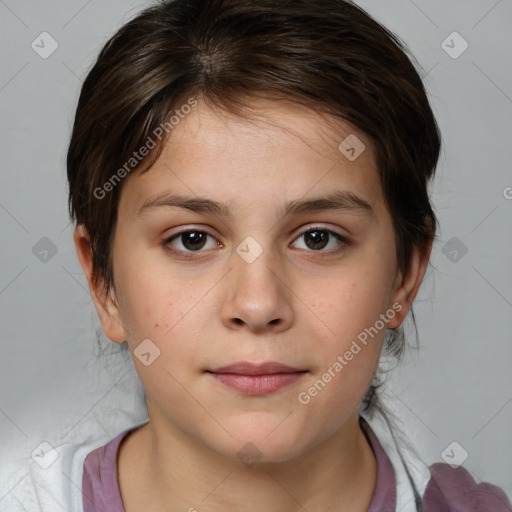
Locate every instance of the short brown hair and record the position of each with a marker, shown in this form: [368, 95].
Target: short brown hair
[331, 56]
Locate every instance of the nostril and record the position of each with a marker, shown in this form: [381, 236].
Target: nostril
[238, 321]
[275, 321]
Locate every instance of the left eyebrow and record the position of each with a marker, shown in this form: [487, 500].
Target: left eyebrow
[340, 200]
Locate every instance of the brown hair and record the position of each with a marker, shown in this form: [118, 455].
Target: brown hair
[330, 56]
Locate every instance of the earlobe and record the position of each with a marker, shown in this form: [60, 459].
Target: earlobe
[406, 285]
[104, 302]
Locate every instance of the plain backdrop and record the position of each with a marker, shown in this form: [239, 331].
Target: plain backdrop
[457, 387]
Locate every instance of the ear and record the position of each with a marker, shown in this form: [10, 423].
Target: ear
[106, 304]
[406, 285]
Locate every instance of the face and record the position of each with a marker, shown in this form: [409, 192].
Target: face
[227, 252]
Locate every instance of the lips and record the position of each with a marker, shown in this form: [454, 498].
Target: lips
[256, 369]
[257, 379]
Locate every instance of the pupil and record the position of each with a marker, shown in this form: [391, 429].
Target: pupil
[193, 240]
[319, 239]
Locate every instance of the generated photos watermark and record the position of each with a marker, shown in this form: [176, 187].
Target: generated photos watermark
[304, 397]
[144, 150]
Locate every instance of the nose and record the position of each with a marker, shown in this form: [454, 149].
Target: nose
[256, 296]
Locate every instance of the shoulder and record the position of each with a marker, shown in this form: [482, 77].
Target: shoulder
[99, 478]
[47, 479]
[455, 490]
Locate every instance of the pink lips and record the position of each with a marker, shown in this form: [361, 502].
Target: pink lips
[257, 379]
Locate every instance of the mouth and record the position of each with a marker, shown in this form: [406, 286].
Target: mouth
[257, 379]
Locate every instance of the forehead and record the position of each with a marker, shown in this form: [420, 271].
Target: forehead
[283, 151]
[269, 123]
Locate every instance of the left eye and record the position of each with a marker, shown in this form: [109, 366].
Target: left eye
[319, 239]
[191, 241]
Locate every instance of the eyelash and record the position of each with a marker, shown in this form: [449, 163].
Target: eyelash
[344, 242]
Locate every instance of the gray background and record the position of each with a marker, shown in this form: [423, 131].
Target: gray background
[457, 387]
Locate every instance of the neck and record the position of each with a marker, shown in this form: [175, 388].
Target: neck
[338, 474]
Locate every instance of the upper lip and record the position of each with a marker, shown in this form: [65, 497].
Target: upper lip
[244, 368]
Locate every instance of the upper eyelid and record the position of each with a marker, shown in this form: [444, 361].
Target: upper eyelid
[319, 227]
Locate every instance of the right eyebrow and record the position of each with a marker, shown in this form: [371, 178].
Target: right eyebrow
[196, 204]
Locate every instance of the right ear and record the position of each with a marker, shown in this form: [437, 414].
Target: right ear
[106, 304]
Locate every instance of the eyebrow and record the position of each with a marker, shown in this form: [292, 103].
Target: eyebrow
[340, 200]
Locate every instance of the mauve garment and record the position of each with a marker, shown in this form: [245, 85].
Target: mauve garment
[448, 490]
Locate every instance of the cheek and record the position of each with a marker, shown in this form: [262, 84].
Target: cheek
[348, 343]
[348, 306]
[159, 313]
[150, 302]
[168, 311]
[349, 330]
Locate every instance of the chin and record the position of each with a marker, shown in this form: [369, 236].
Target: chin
[264, 443]
[250, 453]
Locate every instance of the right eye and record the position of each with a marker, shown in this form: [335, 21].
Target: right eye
[190, 241]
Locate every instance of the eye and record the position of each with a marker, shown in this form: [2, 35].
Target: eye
[189, 241]
[321, 240]
[315, 239]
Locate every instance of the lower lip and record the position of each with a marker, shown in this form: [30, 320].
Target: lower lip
[258, 384]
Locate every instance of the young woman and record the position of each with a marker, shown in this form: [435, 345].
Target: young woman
[249, 185]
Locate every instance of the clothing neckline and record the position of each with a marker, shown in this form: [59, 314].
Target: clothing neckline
[384, 494]
[383, 499]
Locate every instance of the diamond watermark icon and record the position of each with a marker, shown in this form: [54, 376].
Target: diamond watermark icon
[146, 352]
[249, 454]
[454, 45]
[352, 147]
[249, 250]
[44, 45]
[44, 455]
[454, 250]
[454, 455]
[44, 250]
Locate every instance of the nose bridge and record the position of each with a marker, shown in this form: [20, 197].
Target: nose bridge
[256, 268]
[257, 296]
